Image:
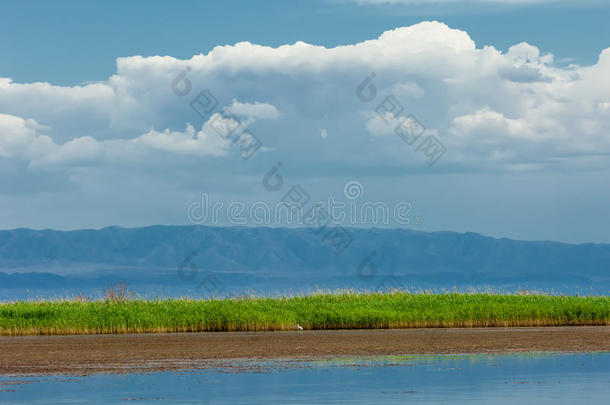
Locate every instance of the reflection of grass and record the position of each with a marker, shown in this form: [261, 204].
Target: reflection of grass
[321, 311]
[429, 359]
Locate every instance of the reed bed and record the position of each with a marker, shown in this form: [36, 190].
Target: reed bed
[345, 310]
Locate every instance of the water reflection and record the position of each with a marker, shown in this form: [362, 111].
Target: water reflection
[500, 379]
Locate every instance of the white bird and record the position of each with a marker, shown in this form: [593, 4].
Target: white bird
[299, 327]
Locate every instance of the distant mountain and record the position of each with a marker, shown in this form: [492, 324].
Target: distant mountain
[287, 256]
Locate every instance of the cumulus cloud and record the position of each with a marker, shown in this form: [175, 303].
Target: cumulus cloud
[488, 126]
[18, 138]
[21, 139]
[490, 109]
[254, 110]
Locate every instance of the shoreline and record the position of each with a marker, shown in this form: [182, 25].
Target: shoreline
[125, 353]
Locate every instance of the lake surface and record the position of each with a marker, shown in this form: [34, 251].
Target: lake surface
[533, 378]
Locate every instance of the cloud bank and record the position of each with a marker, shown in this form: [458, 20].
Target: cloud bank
[491, 110]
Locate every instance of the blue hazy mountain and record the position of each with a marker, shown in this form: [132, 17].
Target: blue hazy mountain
[283, 259]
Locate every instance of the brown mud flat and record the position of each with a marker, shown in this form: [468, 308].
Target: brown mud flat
[82, 355]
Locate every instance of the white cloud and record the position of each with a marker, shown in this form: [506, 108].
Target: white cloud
[381, 124]
[255, 110]
[486, 126]
[20, 138]
[491, 109]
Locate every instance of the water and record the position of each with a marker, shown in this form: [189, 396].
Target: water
[539, 378]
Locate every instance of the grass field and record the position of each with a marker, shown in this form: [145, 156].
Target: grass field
[319, 311]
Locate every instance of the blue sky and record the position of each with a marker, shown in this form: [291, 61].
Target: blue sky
[92, 134]
[79, 41]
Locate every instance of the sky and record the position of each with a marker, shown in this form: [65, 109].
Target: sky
[486, 116]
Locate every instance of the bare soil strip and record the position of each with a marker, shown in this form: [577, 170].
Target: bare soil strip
[81, 355]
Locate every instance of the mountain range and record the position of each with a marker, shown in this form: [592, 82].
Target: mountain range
[177, 259]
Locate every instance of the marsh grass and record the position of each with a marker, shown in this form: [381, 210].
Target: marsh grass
[342, 310]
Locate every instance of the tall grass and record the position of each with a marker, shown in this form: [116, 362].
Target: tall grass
[319, 311]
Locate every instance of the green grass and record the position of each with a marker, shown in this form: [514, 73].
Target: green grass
[319, 311]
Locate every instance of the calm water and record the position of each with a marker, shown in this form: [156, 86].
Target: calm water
[541, 378]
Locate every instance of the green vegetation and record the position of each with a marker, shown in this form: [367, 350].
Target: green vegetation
[320, 311]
